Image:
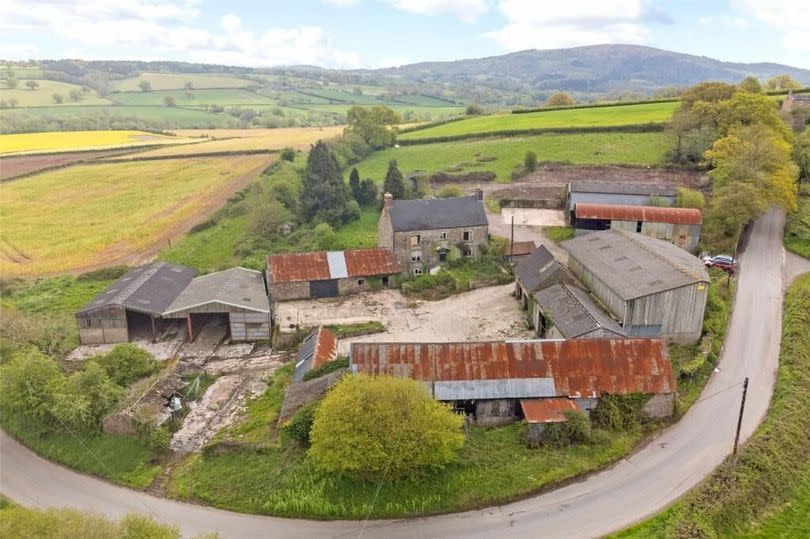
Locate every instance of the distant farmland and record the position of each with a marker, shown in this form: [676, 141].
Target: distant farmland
[551, 119]
[88, 216]
[57, 141]
[177, 81]
[501, 155]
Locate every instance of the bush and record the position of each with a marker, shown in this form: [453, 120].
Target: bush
[619, 412]
[326, 368]
[300, 425]
[449, 191]
[127, 362]
[60, 523]
[530, 161]
[383, 428]
[576, 429]
[474, 109]
[288, 154]
[689, 198]
[436, 286]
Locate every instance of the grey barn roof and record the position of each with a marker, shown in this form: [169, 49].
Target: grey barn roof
[573, 312]
[623, 188]
[634, 265]
[148, 289]
[539, 270]
[436, 213]
[237, 287]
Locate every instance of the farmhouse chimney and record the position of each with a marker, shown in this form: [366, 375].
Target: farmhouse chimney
[479, 194]
[389, 200]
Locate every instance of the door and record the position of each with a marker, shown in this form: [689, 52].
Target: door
[323, 289]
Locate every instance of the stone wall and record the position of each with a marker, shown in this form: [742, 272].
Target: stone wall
[288, 291]
[430, 243]
[492, 412]
[659, 406]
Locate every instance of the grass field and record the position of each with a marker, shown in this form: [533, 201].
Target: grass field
[292, 135]
[57, 141]
[797, 229]
[477, 155]
[105, 214]
[42, 96]
[585, 117]
[177, 81]
[228, 96]
[174, 117]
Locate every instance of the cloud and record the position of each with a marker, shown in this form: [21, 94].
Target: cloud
[545, 25]
[158, 28]
[466, 10]
[725, 20]
[788, 17]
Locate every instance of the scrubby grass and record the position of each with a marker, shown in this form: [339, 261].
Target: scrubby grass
[797, 229]
[42, 96]
[769, 473]
[56, 294]
[58, 141]
[120, 459]
[501, 155]
[559, 233]
[344, 331]
[212, 249]
[579, 117]
[177, 81]
[360, 233]
[328, 367]
[120, 209]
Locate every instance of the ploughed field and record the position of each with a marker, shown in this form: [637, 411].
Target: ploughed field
[93, 215]
[62, 141]
[12, 167]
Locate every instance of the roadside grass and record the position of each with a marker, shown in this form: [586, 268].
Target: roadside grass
[43, 95]
[763, 490]
[276, 477]
[501, 155]
[121, 459]
[797, 229]
[580, 117]
[177, 81]
[58, 141]
[120, 210]
[558, 233]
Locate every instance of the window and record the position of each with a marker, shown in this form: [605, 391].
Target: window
[467, 250]
[416, 256]
[361, 282]
[415, 240]
[467, 236]
[442, 235]
[417, 271]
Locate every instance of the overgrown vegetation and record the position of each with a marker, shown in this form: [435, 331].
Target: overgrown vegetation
[797, 229]
[559, 233]
[345, 331]
[768, 469]
[326, 368]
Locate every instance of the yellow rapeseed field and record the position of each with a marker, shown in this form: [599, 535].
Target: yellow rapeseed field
[55, 141]
[87, 216]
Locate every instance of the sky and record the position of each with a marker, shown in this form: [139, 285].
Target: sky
[382, 33]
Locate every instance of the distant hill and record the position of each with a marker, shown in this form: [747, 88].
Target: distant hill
[593, 69]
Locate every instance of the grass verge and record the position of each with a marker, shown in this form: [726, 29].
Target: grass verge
[797, 229]
[768, 478]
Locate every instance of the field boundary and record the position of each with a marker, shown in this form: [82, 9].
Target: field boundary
[188, 155]
[594, 105]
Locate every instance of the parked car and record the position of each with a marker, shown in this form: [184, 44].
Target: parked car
[723, 262]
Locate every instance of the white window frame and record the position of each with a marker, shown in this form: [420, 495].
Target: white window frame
[417, 271]
[442, 235]
[467, 235]
[416, 239]
[416, 256]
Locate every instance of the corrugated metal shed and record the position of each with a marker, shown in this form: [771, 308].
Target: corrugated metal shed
[576, 368]
[547, 410]
[148, 289]
[621, 212]
[539, 270]
[318, 348]
[573, 312]
[633, 265]
[236, 287]
[436, 213]
[323, 265]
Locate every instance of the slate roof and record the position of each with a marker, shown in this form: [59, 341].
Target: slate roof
[148, 289]
[623, 188]
[437, 213]
[573, 312]
[318, 348]
[539, 270]
[547, 410]
[237, 287]
[323, 265]
[622, 212]
[634, 265]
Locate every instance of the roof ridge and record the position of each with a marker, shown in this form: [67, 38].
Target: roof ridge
[584, 307]
[661, 256]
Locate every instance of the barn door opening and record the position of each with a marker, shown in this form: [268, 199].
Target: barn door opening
[323, 289]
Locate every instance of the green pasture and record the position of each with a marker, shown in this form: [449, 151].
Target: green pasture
[177, 81]
[226, 96]
[178, 117]
[43, 95]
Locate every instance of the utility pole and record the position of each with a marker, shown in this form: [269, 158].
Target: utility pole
[512, 243]
[739, 421]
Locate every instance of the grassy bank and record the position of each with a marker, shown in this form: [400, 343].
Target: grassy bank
[764, 490]
[797, 229]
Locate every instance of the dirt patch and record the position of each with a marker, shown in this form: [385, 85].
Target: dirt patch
[14, 167]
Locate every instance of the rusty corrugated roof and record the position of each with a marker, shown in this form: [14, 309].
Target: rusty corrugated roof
[621, 212]
[521, 248]
[547, 410]
[578, 368]
[325, 348]
[315, 266]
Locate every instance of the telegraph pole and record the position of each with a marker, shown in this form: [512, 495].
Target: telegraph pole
[512, 243]
[739, 421]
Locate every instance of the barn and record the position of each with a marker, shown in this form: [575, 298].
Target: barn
[626, 193]
[489, 379]
[132, 306]
[652, 287]
[324, 274]
[564, 311]
[680, 226]
[319, 348]
[536, 271]
[236, 297]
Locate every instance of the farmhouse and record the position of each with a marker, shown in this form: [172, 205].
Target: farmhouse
[564, 311]
[489, 379]
[235, 296]
[131, 307]
[680, 226]
[796, 102]
[537, 271]
[424, 233]
[318, 348]
[626, 193]
[652, 287]
[324, 274]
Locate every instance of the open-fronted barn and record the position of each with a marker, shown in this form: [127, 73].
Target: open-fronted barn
[487, 379]
[131, 307]
[564, 311]
[607, 192]
[237, 296]
[324, 274]
[652, 287]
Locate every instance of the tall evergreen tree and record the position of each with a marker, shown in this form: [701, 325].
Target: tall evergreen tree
[323, 192]
[354, 185]
[393, 181]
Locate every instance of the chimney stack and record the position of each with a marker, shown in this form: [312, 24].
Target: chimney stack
[479, 194]
[389, 200]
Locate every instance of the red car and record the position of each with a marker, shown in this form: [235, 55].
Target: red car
[723, 262]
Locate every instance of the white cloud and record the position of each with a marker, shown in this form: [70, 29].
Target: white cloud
[466, 10]
[546, 25]
[155, 28]
[790, 18]
[725, 20]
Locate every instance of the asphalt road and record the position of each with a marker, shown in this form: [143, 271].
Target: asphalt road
[631, 490]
